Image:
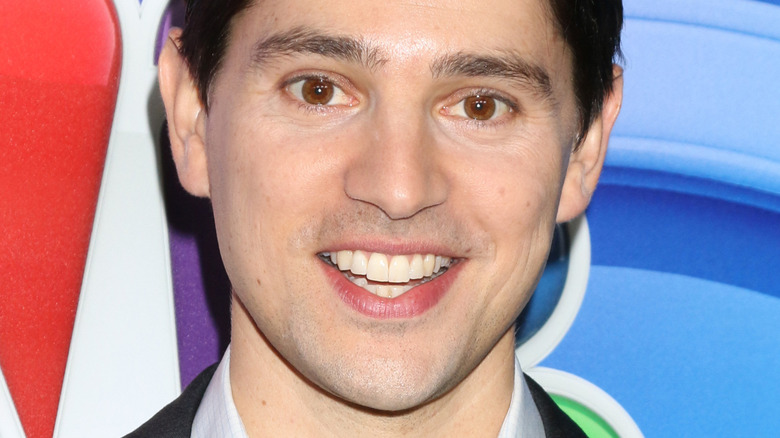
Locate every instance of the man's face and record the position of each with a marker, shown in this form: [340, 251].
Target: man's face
[438, 128]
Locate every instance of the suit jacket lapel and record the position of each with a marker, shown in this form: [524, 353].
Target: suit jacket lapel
[556, 423]
[175, 420]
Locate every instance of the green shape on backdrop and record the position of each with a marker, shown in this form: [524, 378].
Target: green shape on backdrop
[593, 425]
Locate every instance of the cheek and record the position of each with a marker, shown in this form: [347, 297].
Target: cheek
[516, 192]
[242, 186]
[515, 199]
[259, 171]
[269, 185]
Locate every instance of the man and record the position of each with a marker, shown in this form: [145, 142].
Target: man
[385, 179]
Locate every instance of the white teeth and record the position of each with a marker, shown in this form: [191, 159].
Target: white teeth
[416, 267]
[344, 260]
[428, 263]
[384, 291]
[397, 290]
[377, 267]
[359, 263]
[398, 272]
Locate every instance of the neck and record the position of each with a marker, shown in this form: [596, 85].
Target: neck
[273, 399]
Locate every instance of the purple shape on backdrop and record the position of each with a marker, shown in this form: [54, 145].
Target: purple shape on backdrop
[201, 287]
[200, 284]
[202, 322]
[173, 16]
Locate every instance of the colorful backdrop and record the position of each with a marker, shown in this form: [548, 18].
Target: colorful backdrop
[658, 314]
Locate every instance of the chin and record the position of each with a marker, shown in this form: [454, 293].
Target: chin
[388, 386]
[388, 400]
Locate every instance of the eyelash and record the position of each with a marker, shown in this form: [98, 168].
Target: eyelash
[313, 108]
[488, 92]
[513, 107]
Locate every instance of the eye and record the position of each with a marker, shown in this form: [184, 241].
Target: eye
[318, 91]
[479, 107]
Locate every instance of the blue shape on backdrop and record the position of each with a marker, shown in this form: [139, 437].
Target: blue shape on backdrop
[680, 317]
[684, 356]
[694, 235]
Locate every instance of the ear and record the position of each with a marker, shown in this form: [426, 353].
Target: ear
[586, 161]
[186, 117]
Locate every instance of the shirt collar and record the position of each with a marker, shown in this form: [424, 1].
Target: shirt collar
[522, 419]
[217, 414]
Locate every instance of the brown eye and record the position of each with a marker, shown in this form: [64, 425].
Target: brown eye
[479, 107]
[317, 91]
[320, 92]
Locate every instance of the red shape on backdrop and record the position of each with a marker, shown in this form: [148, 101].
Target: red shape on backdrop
[59, 73]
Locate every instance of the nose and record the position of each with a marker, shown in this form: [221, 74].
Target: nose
[398, 169]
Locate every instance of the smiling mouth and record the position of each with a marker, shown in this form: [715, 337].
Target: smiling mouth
[387, 276]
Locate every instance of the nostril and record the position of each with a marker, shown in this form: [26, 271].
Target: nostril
[400, 194]
[399, 169]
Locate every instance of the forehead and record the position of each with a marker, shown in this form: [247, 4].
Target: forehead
[407, 29]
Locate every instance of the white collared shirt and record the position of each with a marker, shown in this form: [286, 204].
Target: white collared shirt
[217, 415]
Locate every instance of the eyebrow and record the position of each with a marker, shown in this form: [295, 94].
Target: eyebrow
[304, 40]
[301, 40]
[507, 65]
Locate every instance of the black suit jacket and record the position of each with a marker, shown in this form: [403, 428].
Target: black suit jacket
[175, 420]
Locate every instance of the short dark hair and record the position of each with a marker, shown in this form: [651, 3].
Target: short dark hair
[204, 38]
[590, 28]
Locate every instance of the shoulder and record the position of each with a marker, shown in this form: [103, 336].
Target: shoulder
[556, 423]
[175, 419]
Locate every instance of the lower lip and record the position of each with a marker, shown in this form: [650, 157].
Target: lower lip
[414, 302]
